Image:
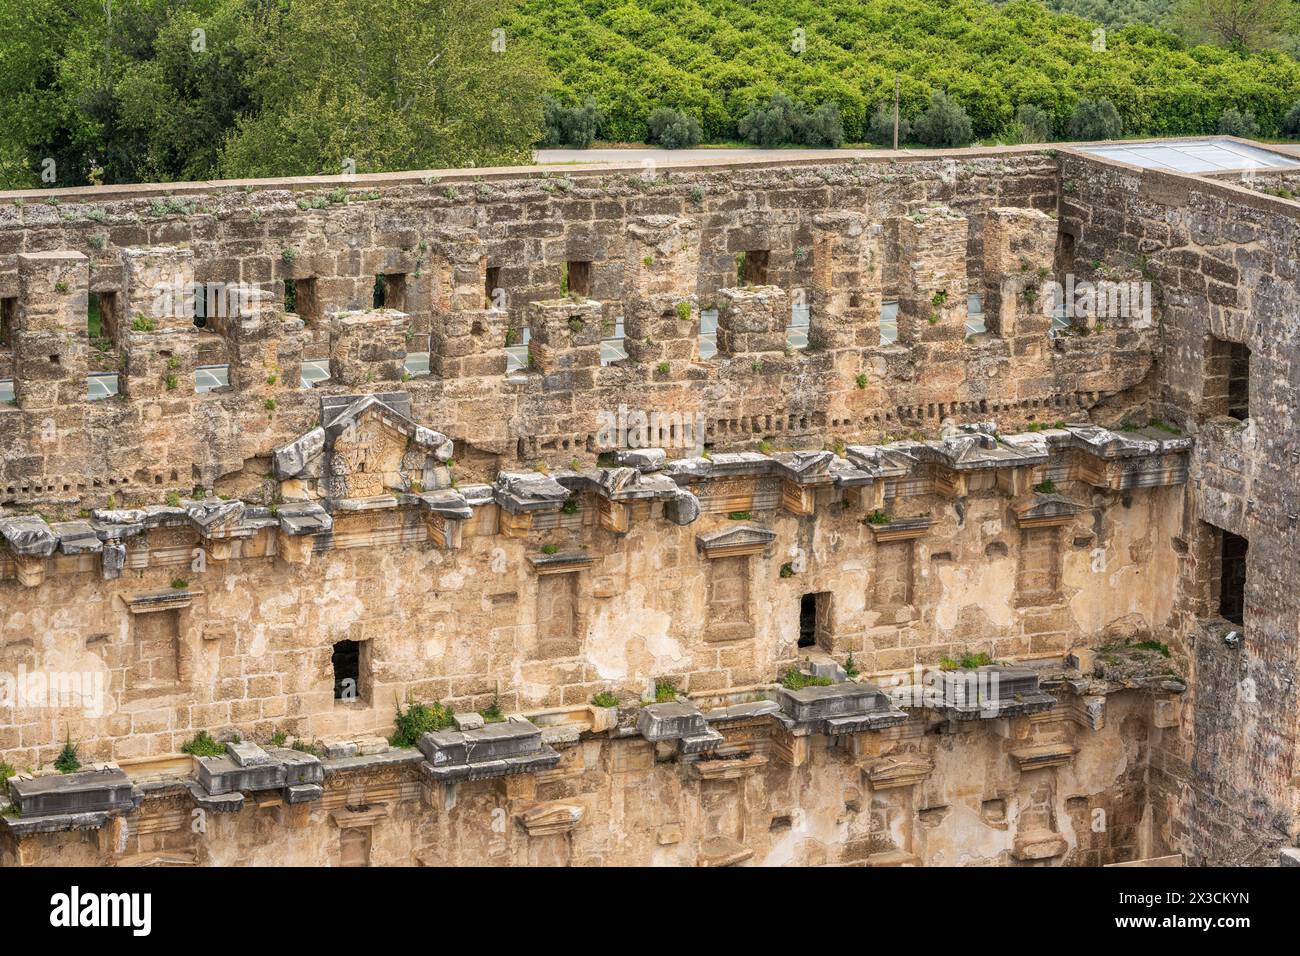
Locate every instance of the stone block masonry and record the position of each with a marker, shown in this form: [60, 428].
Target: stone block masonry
[220, 547]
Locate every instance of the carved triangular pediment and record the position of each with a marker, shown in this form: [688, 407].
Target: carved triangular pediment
[1042, 511]
[734, 541]
[365, 446]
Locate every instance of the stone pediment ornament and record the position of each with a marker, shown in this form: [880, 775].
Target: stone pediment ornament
[1045, 511]
[897, 770]
[735, 541]
[557, 816]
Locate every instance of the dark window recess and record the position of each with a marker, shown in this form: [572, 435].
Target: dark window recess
[390, 291]
[290, 296]
[751, 267]
[1239, 381]
[1227, 379]
[808, 620]
[347, 670]
[493, 294]
[8, 315]
[577, 279]
[1232, 577]
[305, 303]
[94, 316]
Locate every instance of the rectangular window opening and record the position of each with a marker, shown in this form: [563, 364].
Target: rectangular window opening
[751, 267]
[1232, 577]
[349, 662]
[577, 279]
[494, 297]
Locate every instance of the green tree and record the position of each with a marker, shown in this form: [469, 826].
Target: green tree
[575, 126]
[944, 123]
[672, 129]
[1033, 124]
[880, 129]
[1234, 122]
[1236, 24]
[1095, 119]
[387, 84]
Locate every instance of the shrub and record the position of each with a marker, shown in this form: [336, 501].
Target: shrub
[880, 128]
[823, 128]
[773, 123]
[665, 690]
[492, 712]
[574, 126]
[1095, 119]
[877, 517]
[944, 123]
[1291, 122]
[418, 719]
[202, 745]
[672, 129]
[1033, 124]
[1233, 122]
[783, 121]
[795, 679]
[68, 760]
[604, 699]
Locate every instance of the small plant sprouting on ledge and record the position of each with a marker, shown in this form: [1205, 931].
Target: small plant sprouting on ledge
[966, 662]
[765, 447]
[416, 720]
[1156, 646]
[860, 380]
[173, 499]
[1047, 487]
[684, 311]
[851, 667]
[570, 506]
[169, 382]
[876, 517]
[795, 679]
[288, 255]
[309, 747]
[663, 368]
[604, 699]
[665, 690]
[787, 570]
[550, 548]
[738, 515]
[576, 324]
[279, 738]
[202, 745]
[492, 712]
[939, 298]
[179, 584]
[269, 405]
[1161, 425]
[6, 771]
[68, 761]
[933, 318]
[142, 323]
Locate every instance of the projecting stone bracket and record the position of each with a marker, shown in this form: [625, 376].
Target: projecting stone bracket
[678, 720]
[246, 767]
[84, 800]
[496, 750]
[835, 709]
[990, 692]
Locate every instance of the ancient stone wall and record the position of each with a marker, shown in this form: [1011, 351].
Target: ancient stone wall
[1224, 259]
[892, 507]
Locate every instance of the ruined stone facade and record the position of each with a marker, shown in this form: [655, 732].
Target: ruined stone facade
[274, 562]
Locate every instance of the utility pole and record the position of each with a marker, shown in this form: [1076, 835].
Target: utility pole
[895, 110]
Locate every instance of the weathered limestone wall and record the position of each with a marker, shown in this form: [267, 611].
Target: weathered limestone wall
[652, 245]
[1054, 548]
[1024, 790]
[1225, 259]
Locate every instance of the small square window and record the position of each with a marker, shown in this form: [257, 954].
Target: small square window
[8, 316]
[350, 660]
[494, 297]
[577, 279]
[389, 292]
[751, 267]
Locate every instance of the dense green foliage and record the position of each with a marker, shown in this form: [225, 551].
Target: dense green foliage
[575, 126]
[672, 129]
[416, 720]
[715, 59]
[164, 90]
[1095, 119]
